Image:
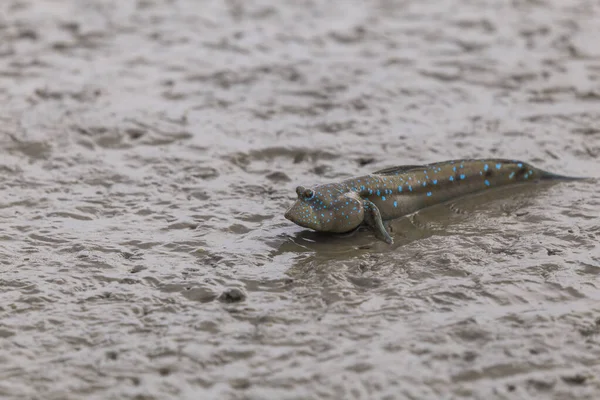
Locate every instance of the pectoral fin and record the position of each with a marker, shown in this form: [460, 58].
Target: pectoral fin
[373, 219]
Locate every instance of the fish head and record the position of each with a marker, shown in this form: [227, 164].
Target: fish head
[326, 210]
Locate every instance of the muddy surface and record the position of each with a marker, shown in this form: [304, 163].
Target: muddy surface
[150, 148]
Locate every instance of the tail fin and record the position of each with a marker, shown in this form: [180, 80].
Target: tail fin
[549, 176]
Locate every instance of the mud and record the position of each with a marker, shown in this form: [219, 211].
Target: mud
[150, 148]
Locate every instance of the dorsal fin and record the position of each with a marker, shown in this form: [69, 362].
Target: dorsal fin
[398, 169]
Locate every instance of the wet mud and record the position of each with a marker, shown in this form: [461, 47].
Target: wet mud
[148, 151]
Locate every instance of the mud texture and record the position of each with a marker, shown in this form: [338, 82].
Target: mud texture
[148, 151]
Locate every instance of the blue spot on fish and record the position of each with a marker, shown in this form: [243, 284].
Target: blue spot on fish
[435, 181]
[512, 174]
[451, 178]
[383, 198]
[462, 176]
[520, 165]
[428, 194]
[399, 188]
[410, 188]
[487, 183]
[424, 183]
[486, 167]
[454, 169]
[378, 193]
[395, 204]
[498, 166]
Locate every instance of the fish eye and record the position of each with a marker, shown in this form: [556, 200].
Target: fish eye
[309, 194]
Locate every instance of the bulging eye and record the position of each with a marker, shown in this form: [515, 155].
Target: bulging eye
[309, 194]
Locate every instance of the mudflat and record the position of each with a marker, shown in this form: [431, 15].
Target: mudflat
[149, 150]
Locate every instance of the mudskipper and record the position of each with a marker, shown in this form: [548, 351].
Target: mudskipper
[394, 192]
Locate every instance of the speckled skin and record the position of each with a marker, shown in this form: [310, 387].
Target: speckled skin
[394, 192]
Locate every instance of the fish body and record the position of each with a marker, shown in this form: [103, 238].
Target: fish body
[394, 192]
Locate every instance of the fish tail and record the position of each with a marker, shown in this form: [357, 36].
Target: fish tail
[549, 176]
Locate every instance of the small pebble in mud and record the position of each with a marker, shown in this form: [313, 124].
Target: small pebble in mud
[510, 388]
[232, 295]
[553, 252]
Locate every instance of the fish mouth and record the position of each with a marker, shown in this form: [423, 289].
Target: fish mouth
[288, 215]
[298, 214]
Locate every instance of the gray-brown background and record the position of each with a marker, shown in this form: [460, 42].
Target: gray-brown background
[149, 149]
